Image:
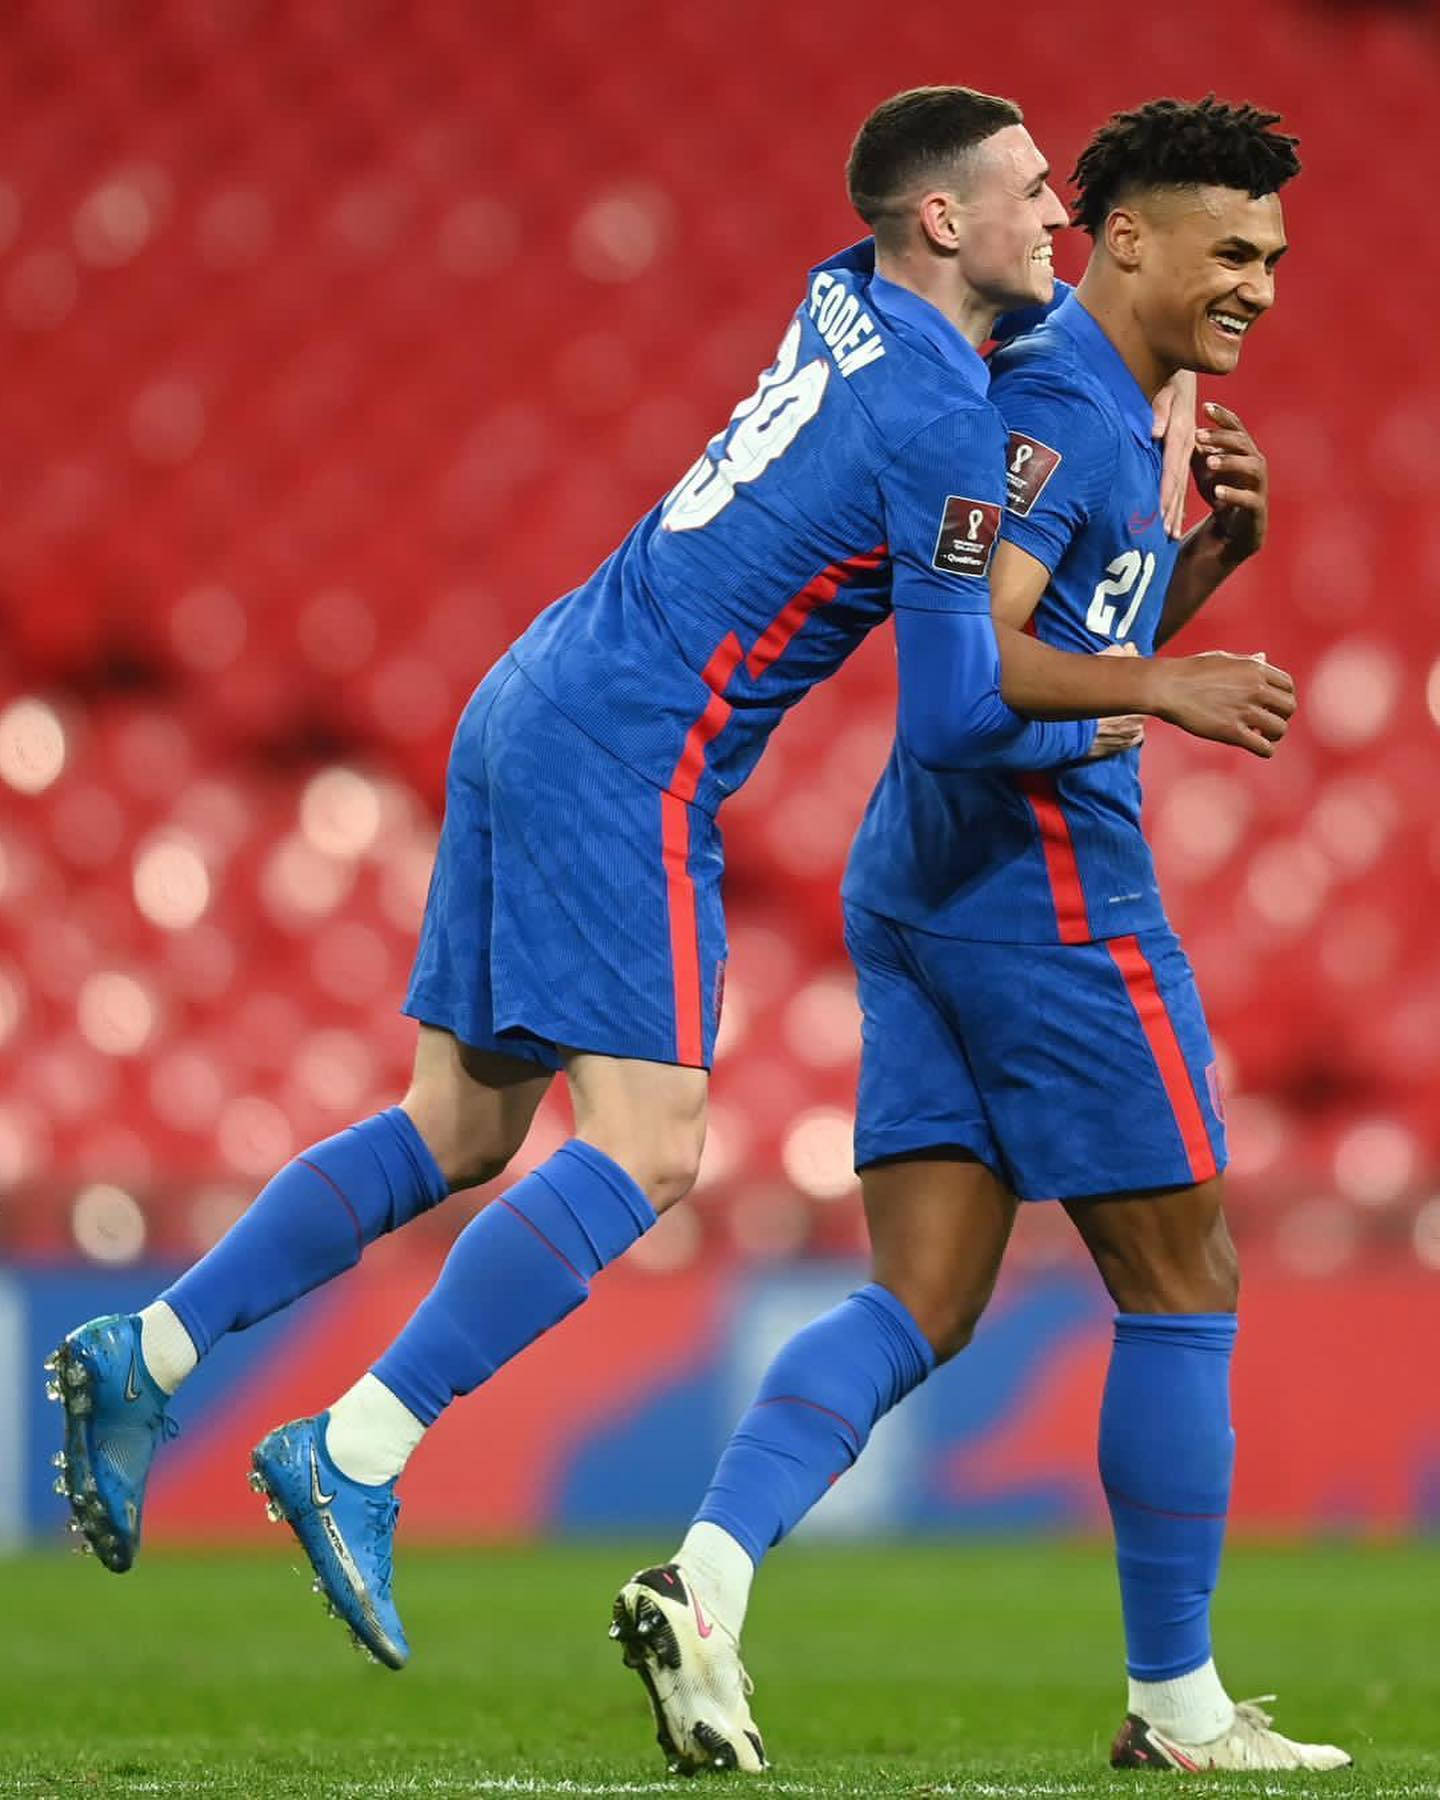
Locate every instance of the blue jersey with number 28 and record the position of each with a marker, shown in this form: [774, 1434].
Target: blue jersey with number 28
[1058, 855]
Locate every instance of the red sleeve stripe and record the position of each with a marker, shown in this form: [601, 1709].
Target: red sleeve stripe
[1159, 1029]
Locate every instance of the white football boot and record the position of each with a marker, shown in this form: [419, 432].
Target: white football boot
[1250, 1743]
[699, 1691]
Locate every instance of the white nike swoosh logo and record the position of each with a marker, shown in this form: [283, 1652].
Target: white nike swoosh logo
[317, 1493]
[132, 1379]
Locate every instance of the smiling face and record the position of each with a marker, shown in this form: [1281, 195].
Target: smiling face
[1204, 265]
[1006, 216]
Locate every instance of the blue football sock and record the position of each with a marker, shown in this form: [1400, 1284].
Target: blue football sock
[309, 1223]
[513, 1272]
[1167, 1453]
[813, 1415]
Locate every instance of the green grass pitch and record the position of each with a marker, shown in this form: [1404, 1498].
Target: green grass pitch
[989, 1670]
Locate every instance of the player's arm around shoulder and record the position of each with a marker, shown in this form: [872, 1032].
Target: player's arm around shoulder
[1060, 458]
[942, 493]
[1017, 586]
[1234, 480]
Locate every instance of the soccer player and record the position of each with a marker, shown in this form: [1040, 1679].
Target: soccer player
[1031, 1025]
[574, 918]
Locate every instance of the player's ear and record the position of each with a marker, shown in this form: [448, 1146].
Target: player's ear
[1123, 231]
[940, 220]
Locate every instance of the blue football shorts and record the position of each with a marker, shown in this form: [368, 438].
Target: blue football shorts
[573, 903]
[1068, 1069]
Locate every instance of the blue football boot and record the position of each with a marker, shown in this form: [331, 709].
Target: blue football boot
[346, 1529]
[115, 1420]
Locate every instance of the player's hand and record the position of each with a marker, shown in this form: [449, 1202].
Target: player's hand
[1232, 475]
[1175, 423]
[1124, 733]
[1240, 700]
[1112, 736]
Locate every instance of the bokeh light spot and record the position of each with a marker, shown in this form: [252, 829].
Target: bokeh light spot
[340, 813]
[620, 233]
[818, 1153]
[1375, 1161]
[1352, 692]
[254, 1136]
[116, 1013]
[171, 882]
[822, 1022]
[107, 1223]
[32, 746]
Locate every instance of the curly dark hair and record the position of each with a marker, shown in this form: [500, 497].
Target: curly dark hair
[1180, 143]
[920, 134]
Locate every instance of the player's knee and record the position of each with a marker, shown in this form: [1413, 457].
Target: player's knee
[1223, 1275]
[946, 1319]
[468, 1163]
[664, 1163]
[469, 1148]
[951, 1331]
[1169, 1253]
[649, 1120]
[1208, 1280]
[472, 1107]
[662, 1157]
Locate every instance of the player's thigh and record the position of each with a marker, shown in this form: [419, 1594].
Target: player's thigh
[938, 1229]
[452, 985]
[472, 1106]
[608, 933]
[1166, 1252]
[647, 1116]
[1094, 1062]
[916, 1091]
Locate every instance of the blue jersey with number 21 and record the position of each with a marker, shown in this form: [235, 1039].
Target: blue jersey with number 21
[1055, 855]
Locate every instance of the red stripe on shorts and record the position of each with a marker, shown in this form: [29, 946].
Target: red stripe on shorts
[1155, 1021]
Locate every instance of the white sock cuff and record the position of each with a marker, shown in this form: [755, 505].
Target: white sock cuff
[721, 1569]
[371, 1433]
[166, 1347]
[1193, 1707]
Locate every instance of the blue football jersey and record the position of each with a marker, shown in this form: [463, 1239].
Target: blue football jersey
[865, 471]
[1049, 856]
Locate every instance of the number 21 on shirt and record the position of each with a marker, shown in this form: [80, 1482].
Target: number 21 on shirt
[1128, 576]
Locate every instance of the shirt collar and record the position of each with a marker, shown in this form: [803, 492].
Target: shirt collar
[1108, 364]
[903, 306]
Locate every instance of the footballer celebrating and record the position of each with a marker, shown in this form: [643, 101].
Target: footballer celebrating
[574, 917]
[1032, 1029]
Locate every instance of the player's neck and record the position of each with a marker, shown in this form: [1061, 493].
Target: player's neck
[972, 316]
[1107, 301]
